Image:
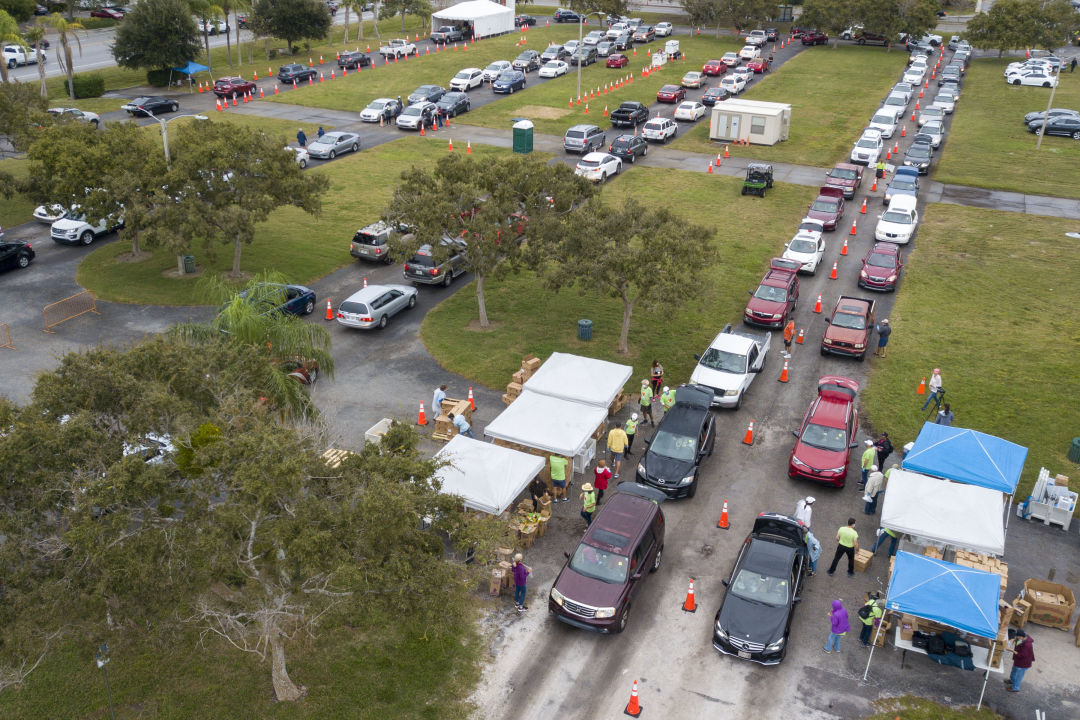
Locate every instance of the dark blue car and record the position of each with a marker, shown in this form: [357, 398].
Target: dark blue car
[509, 81]
[275, 297]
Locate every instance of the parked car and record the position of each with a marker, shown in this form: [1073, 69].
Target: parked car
[660, 129]
[74, 229]
[271, 297]
[527, 61]
[881, 267]
[596, 587]
[584, 138]
[814, 37]
[524, 21]
[453, 104]
[429, 266]
[828, 207]
[895, 103]
[847, 177]
[107, 13]
[554, 52]
[807, 249]
[604, 48]
[467, 79]
[933, 131]
[728, 367]
[885, 122]
[827, 433]
[849, 327]
[150, 105]
[598, 166]
[385, 109]
[664, 29]
[372, 242]
[584, 56]
[644, 34]
[629, 147]
[301, 154]
[447, 34]
[898, 223]
[617, 60]
[868, 148]
[16, 254]
[352, 59]
[565, 16]
[714, 67]
[1033, 78]
[593, 38]
[213, 27]
[731, 59]
[508, 82]
[690, 111]
[753, 621]
[930, 112]
[49, 213]
[750, 52]
[426, 93]
[76, 115]
[416, 116]
[1065, 125]
[496, 69]
[775, 297]
[759, 65]
[332, 144]
[622, 41]
[714, 95]
[919, 156]
[295, 72]
[757, 38]
[693, 79]
[553, 69]
[374, 305]
[629, 114]
[17, 55]
[233, 87]
[684, 437]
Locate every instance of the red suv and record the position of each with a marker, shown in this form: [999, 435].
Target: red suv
[232, 87]
[827, 433]
[776, 296]
[849, 326]
[828, 207]
[881, 267]
[598, 583]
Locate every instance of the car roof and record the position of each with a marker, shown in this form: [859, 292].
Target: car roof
[596, 155]
[371, 292]
[903, 202]
[583, 127]
[768, 557]
[623, 514]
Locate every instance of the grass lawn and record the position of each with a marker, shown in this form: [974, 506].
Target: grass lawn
[17, 208]
[989, 147]
[748, 239]
[302, 247]
[988, 298]
[349, 672]
[832, 93]
[915, 708]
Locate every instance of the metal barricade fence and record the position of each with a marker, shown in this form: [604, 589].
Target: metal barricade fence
[68, 308]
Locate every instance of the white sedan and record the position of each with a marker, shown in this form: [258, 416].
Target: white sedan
[898, 223]
[731, 59]
[1033, 78]
[806, 248]
[75, 114]
[659, 129]
[915, 75]
[663, 29]
[553, 68]
[598, 166]
[734, 84]
[50, 213]
[302, 155]
[690, 111]
[885, 122]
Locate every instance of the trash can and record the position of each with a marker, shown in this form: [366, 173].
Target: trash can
[584, 330]
[1074, 450]
[523, 137]
[189, 264]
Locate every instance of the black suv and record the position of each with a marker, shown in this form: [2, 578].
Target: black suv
[352, 60]
[754, 618]
[565, 16]
[683, 438]
[295, 72]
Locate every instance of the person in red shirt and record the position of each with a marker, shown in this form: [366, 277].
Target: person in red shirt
[602, 474]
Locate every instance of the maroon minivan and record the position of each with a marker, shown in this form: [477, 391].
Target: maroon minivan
[597, 585]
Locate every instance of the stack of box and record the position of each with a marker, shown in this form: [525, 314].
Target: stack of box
[444, 428]
[986, 564]
[862, 560]
[879, 637]
[529, 365]
[908, 625]
[1051, 604]
[933, 552]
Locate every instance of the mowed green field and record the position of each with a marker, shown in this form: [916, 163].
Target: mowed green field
[988, 145]
[833, 94]
[16, 208]
[987, 297]
[302, 247]
[529, 319]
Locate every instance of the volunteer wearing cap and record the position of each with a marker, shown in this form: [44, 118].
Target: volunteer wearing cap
[667, 399]
[646, 401]
[869, 459]
[883, 332]
[630, 429]
[804, 510]
[588, 503]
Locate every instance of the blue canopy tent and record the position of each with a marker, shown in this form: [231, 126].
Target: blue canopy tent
[190, 69]
[969, 457]
[960, 597]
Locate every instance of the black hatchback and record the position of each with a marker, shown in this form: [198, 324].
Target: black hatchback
[682, 441]
[629, 147]
[714, 95]
[15, 254]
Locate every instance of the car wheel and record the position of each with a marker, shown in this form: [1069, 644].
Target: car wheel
[623, 619]
[303, 164]
[693, 489]
[862, 357]
[332, 155]
[1016, 82]
[738, 404]
[645, 151]
[382, 321]
[823, 353]
[412, 301]
[657, 559]
[447, 279]
[86, 238]
[603, 178]
[633, 158]
[1046, 84]
[1038, 131]
[1076, 135]
[174, 107]
[24, 260]
[511, 89]
[355, 147]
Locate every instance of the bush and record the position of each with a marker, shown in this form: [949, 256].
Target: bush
[89, 86]
[158, 78]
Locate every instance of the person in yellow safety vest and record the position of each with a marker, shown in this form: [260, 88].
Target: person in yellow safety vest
[667, 399]
[646, 401]
[874, 613]
[588, 503]
[630, 430]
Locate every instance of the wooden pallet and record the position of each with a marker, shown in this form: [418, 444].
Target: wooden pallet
[335, 457]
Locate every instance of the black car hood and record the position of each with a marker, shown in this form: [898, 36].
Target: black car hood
[660, 467]
[756, 622]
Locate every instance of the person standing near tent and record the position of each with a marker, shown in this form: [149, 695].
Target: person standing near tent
[813, 550]
[616, 445]
[521, 575]
[936, 393]
[874, 485]
[588, 503]
[838, 626]
[436, 400]
[847, 542]
[601, 475]
[944, 416]
[869, 458]
[646, 402]
[657, 374]
[537, 489]
[630, 429]
[869, 614]
[301, 138]
[804, 510]
[884, 448]
[558, 477]
[886, 533]
[1023, 657]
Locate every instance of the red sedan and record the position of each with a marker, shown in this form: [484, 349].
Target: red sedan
[881, 267]
[828, 207]
[617, 60]
[761, 65]
[714, 67]
[827, 433]
[107, 13]
[232, 87]
[671, 94]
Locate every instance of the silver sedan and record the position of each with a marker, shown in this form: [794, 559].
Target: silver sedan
[334, 143]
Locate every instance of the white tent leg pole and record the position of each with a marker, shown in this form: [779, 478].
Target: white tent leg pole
[873, 646]
[986, 677]
[1008, 512]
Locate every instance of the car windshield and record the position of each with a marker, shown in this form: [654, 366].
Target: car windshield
[919, 152]
[507, 76]
[753, 586]
[883, 120]
[825, 438]
[803, 246]
[899, 184]
[377, 105]
[824, 205]
[599, 564]
[843, 174]
[413, 110]
[494, 67]
[677, 447]
[896, 217]
[770, 293]
[867, 143]
[654, 125]
[895, 100]
[622, 143]
[460, 76]
[552, 65]
[324, 140]
[849, 321]
[881, 260]
[723, 361]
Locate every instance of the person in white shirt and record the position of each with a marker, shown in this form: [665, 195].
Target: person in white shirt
[436, 400]
[936, 392]
[804, 510]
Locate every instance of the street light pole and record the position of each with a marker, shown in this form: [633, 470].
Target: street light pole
[1049, 104]
[102, 658]
[165, 129]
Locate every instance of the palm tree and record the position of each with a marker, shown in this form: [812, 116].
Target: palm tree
[358, 6]
[375, 18]
[250, 318]
[237, 6]
[206, 11]
[34, 35]
[9, 33]
[63, 27]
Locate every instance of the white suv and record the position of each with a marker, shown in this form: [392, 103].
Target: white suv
[73, 229]
[868, 148]
[659, 129]
[467, 79]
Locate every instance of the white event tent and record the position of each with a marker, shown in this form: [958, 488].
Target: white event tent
[487, 476]
[581, 379]
[487, 18]
[553, 425]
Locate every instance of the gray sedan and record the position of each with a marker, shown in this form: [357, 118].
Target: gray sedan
[334, 143]
[375, 305]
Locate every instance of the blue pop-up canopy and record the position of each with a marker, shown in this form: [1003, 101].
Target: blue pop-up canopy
[191, 68]
[961, 597]
[967, 456]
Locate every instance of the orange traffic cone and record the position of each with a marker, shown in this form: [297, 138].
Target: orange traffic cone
[633, 709]
[422, 420]
[723, 522]
[320, 77]
[310, 63]
[726, 154]
[843, 250]
[817, 305]
[921, 390]
[586, 108]
[689, 605]
[201, 90]
[920, 94]
[719, 157]
[912, 116]
[862, 210]
[832, 275]
[605, 111]
[422, 133]
[748, 438]
[234, 101]
[365, 281]
[261, 93]
[245, 98]
[450, 148]
[784, 372]
[276, 89]
[852, 227]
[710, 167]
[571, 103]
[888, 154]
[873, 188]
[329, 311]
[896, 148]
[331, 74]
[468, 147]
[472, 403]
[219, 105]
[799, 339]
[903, 131]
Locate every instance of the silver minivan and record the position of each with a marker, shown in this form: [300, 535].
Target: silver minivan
[375, 305]
[584, 138]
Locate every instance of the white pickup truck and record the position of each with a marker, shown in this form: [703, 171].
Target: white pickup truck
[16, 55]
[730, 364]
[398, 48]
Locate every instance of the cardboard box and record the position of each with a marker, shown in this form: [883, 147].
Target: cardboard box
[1062, 481]
[513, 389]
[932, 552]
[1023, 612]
[862, 560]
[1076, 632]
[1051, 604]
[530, 363]
[520, 377]
[879, 637]
[908, 625]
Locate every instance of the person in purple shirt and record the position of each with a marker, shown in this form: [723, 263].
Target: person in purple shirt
[521, 574]
[838, 625]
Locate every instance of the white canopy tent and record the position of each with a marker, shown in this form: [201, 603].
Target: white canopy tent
[487, 476]
[561, 427]
[961, 516]
[581, 379]
[487, 18]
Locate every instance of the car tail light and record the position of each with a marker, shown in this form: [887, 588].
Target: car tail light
[406, 267]
[378, 250]
[610, 148]
[433, 271]
[366, 319]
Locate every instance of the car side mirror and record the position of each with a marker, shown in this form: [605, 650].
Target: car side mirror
[566, 555]
[725, 582]
[756, 368]
[697, 357]
[648, 441]
[880, 216]
[796, 599]
[751, 292]
[828, 320]
[636, 576]
[795, 433]
[853, 445]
